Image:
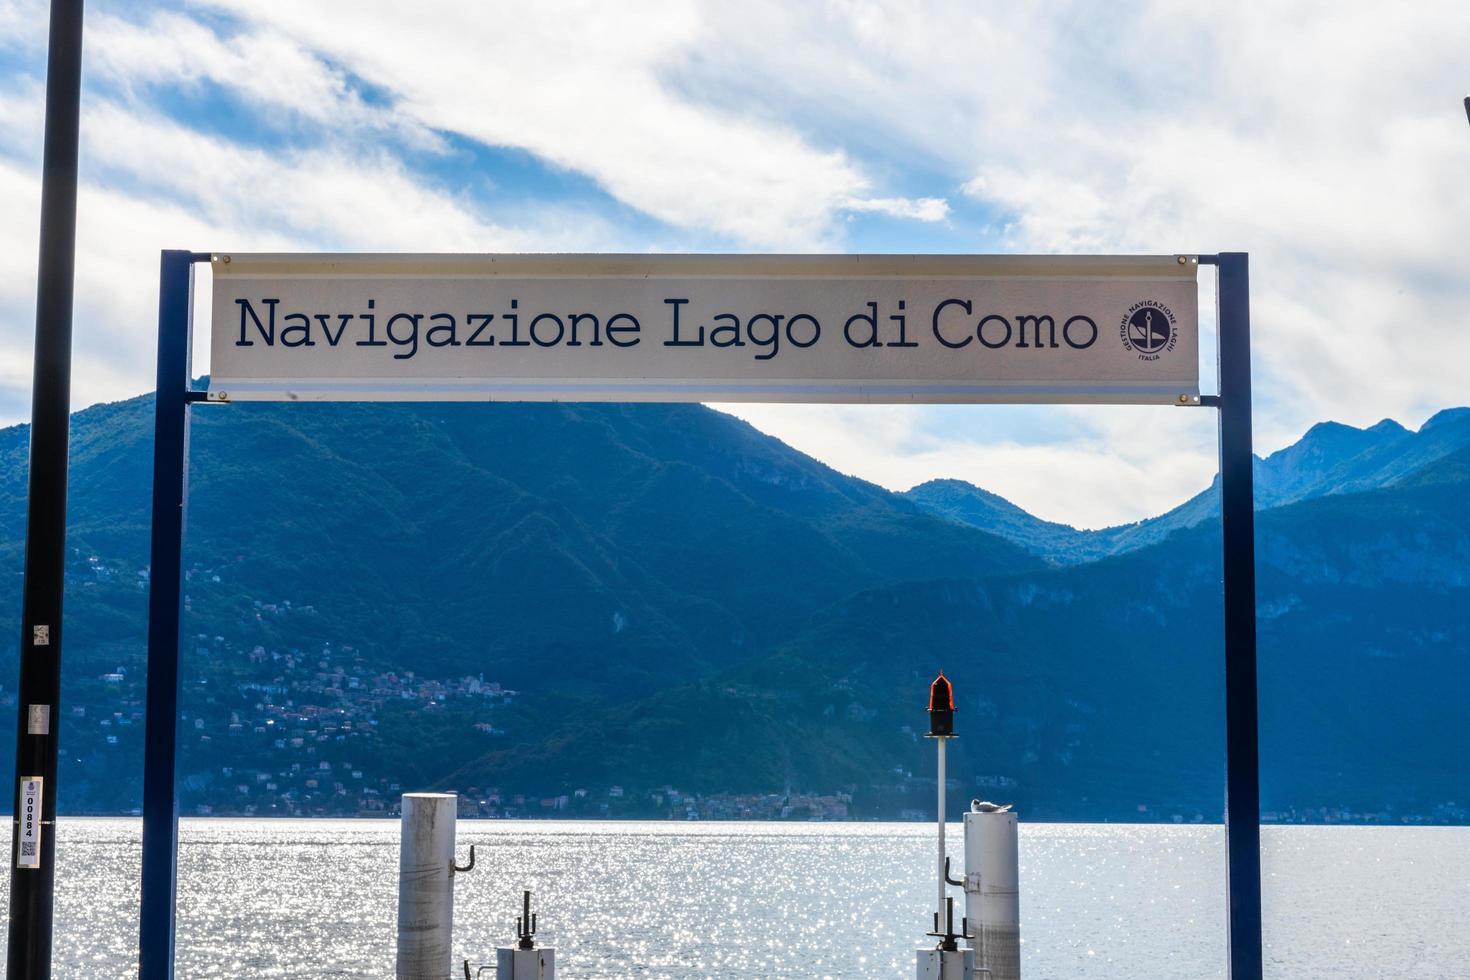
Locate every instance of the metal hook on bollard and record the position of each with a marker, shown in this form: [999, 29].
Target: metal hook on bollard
[468, 867]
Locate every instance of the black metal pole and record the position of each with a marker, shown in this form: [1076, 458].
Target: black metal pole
[165, 612]
[1238, 527]
[33, 840]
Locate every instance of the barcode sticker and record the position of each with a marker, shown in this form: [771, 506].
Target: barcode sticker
[28, 854]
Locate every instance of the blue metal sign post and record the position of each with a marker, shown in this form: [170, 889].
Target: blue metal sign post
[165, 612]
[1238, 533]
[170, 483]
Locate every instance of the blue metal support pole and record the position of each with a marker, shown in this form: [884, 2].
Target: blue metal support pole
[1238, 527]
[33, 837]
[165, 613]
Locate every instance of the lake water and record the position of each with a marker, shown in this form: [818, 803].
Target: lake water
[269, 898]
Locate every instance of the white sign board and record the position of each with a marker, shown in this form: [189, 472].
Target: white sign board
[795, 328]
[28, 842]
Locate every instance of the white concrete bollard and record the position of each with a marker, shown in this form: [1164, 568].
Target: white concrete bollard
[525, 964]
[426, 887]
[946, 964]
[993, 890]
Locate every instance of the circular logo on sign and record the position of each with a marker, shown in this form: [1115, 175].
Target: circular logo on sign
[1148, 330]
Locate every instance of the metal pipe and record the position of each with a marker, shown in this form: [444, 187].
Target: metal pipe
[939, 908]
[426, 886]
[33, 841]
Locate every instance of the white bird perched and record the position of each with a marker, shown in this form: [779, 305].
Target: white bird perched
[985, 806]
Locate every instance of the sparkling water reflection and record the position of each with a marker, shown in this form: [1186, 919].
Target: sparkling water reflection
[279, 899]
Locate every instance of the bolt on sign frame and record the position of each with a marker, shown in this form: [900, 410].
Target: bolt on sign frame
[999, 329]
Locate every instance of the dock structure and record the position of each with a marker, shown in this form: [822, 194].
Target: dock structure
[1096, 289]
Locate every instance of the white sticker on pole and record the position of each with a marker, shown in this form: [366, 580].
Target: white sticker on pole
[773, 328]
[28, 849]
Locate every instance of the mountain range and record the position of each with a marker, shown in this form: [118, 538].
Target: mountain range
[680, 601]
[1331, 458]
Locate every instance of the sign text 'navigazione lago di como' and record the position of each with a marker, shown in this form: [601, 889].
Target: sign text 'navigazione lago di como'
[810, 328]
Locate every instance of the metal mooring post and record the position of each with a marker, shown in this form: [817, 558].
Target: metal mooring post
[165, 612]
[426, 872]
[993, 890]
[1238, 529]
[33, 838]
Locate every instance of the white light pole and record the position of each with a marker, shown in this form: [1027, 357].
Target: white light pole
[941, 729]
[947, 960]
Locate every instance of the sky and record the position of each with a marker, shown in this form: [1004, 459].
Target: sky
[1327, 140]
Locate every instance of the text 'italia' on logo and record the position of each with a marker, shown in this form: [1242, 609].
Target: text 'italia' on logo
[1148, 329]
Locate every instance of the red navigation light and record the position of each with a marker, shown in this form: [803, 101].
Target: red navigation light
[941, 695]
[941, 707]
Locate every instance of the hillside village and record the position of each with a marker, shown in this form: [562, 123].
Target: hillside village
[299, 733]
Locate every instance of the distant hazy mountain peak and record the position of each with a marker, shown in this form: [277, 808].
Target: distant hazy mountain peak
[1326, 428]
[1448, 416]
[1385, 426]
[1330, 458]
[1338, 437]
[962, 490]
[945, 483]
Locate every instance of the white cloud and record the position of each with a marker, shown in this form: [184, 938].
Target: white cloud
[1332, 148]
[118, 240]
[1098, 466]
[171, 187]
[919, 209]
[23, 24]
[266, 69]
[1328, 142]
[323, 199]
[22, 111]
[582, 85]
